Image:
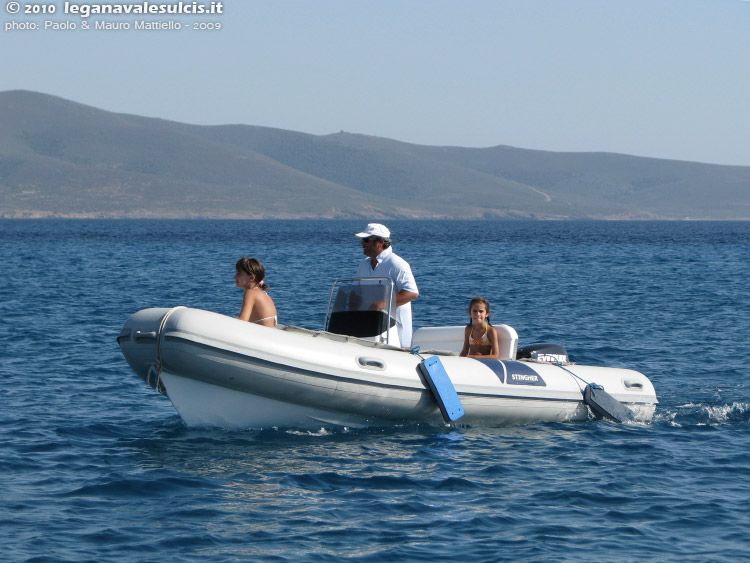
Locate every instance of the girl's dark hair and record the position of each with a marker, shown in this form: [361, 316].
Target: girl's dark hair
[253, 267]
[482, 301]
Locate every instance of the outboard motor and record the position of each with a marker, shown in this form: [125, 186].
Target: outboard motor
[544, 352]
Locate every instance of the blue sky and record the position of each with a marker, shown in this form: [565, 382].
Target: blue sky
[658, 78]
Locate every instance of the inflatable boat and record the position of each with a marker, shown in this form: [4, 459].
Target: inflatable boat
[224, 372]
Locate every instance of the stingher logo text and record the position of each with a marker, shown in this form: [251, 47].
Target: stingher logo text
[527, 378]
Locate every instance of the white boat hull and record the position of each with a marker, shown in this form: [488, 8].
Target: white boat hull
[219, 371]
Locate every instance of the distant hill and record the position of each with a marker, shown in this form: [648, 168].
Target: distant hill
[60, 158]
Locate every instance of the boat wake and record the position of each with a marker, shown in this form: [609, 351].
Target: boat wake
[692, 414]
[315, 433]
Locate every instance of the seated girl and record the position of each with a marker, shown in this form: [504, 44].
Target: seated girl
[480, 337]
[257, 305]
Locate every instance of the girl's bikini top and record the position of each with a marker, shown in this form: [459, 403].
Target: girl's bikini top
[483, 340]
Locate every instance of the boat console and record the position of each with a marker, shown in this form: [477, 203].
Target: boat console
[363, 308]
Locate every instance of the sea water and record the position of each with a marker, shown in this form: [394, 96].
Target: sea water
[96, 466]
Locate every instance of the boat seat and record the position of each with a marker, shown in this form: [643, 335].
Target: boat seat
[451, 338]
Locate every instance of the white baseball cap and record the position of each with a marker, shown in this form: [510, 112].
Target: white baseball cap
[375, 230]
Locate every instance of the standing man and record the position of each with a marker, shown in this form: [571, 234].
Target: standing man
[381, 262]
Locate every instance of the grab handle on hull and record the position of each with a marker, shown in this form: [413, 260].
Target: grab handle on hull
[141, 335]
[370, 363]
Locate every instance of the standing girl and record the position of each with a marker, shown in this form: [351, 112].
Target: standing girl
[480, 337]
[257, 305]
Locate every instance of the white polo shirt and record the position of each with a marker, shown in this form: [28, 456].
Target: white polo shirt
[395, 268]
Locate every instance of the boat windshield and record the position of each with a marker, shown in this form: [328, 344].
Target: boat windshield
[362, 307]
